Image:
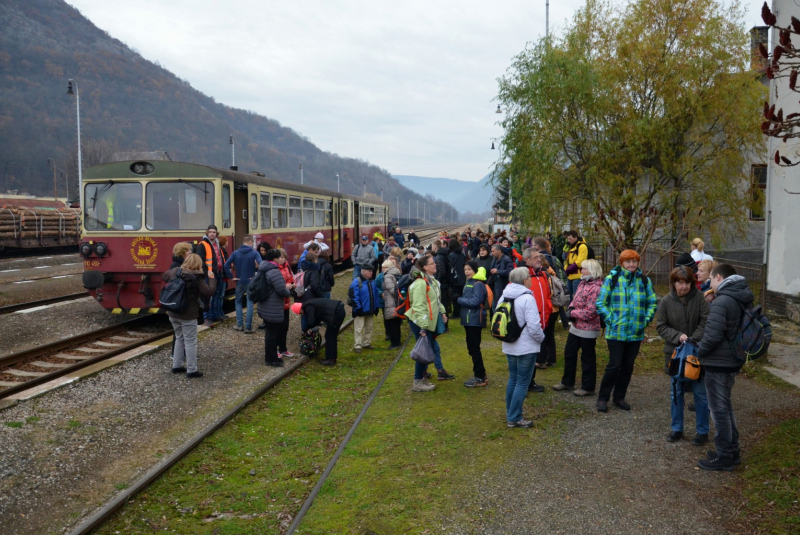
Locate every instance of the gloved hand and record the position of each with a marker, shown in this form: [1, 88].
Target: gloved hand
[572, 269]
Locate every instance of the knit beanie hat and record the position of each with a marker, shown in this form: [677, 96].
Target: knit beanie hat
[686, 260]
[629, 254]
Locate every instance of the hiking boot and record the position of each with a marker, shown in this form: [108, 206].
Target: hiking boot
[178, 370]
[442, 375]
[328, 362]
[475, 381]
[535, 388]
[602, 406]
[194, 375]
[561, 386]
[275, 363]
[622, 404]
[675, 436]
[581, 393]
[357, 350]
[737, 459]
[520, 423]
[368, 346]
[700, 439]
[717, 463]
[421, 386]
[428, 375]
[238, 328]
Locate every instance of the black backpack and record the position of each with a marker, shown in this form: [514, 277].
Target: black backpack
[453, 274]
[259, 288]
[173, 294]
[589, 251]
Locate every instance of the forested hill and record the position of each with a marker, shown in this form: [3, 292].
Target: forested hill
[131, 104]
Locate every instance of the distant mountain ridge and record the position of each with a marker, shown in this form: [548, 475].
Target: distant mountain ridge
[129, 104]
[466, 196]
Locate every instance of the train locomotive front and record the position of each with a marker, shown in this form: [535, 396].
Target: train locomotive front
[135, 212]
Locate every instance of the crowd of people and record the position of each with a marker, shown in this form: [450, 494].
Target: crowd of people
[468, 276]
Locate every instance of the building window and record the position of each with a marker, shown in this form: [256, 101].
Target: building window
[758, 192]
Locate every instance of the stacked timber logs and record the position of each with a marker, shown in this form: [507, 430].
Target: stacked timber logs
[19, 222]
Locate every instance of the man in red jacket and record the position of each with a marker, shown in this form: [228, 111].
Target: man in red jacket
[540, 287]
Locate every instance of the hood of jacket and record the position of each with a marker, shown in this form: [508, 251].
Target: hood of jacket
[178, 260]
[393, 271]
[512, 291]
[736, 286]
[480, 275]
[309, 266]
[245, 248]
[442, 251]
[625, 273]
[266, 266]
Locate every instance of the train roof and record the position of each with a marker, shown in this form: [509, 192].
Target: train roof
[162, 169]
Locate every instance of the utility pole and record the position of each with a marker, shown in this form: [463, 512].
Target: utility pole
[398, 209]
[417, 211]
[233, 153]
[365, 188]
[409, 212]
[301, 174]
[55, 184]
[381, 193]
[338, 190]
[547, 19]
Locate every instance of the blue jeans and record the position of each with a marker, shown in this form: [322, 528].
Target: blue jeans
[420, 369]
[241, 289]
[677, 389]
[573, 288]
[520, 371]
[718, 388]
[215, 301]
[356, 272]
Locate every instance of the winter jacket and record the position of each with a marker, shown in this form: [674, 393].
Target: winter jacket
[271, 310]
[406, 265]
[583, 310]
[288, 277]
[379, 287]
[245, 261]
[197, 285]
[576, 255]
[473, 301]
[442, 268]
[425, 295]
[177, 261]
[387, 249]
[681, 315]
[540, 288]
[364, 254]
[399, 239]
[457, 260]
[527, 314]
[312, 280]
[390, 278]
[724, 319]
[318, 311]
[475, 248]
[504, 267]
[706, 286]
[363, 297]
[486, 263]
[326, 270]
[629, 308]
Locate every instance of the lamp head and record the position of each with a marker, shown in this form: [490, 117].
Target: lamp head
[498, 110]
[69, 88]
[492, 145]
[230, 142]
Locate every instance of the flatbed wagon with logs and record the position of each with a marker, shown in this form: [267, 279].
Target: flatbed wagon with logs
[32, 223]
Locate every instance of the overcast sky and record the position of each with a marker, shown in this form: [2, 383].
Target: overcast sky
[408, 86]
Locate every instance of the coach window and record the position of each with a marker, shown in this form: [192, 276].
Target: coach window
[319, 213]
[308, 212]
[279, 214]
[344, 212]
[113, 206]
[265, 210]
[328, 206]
[253, 211]
[226, 206]
[179, 205]
[295, 213]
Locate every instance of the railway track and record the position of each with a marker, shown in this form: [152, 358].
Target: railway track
[42, 302]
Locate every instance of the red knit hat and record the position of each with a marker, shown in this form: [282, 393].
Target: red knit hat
[629, 254]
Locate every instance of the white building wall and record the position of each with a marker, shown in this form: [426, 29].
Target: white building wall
[783, 209]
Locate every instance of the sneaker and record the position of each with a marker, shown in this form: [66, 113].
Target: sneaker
[420, 385]
[442, 375]
[561, 386]
[238, 328]
[328, 362]
[208, 323]
[737, 459]
[249, 331]
[602, 406]
[391, 348]
[520, 423]
[535, 388]
[368, 346]
[717, 463]
[275, 363]
[475, 381]
[675, 436]
[178, 370]
[700, 439]
[194, 375]
[581, 393]
[622, 404]
[288, 354]
[357, 350]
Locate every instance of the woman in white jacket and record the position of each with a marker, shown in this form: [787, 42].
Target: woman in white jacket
[522, 353]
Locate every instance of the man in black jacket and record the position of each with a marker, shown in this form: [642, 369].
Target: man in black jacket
[329, 312]
[731, 297]
[442, 272]
[457, 260]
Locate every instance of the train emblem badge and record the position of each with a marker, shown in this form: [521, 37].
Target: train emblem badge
[144, 252]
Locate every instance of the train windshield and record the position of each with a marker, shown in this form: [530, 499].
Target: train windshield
[179, 205]
[112, 206]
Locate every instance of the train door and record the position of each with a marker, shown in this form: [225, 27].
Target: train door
[346, 230]
[240, 213]
[336, 231]
[358, 223]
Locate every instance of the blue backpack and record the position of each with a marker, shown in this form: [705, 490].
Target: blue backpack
[754, 334]
[684, 366]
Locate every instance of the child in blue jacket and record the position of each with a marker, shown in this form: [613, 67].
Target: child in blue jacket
[473, 303]
[363, 298]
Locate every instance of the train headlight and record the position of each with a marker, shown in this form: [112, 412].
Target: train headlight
[86, 249]
[100, 249]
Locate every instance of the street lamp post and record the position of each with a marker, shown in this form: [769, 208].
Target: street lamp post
[301, 174]
[55, 184]
[233, 153]
[338, 189]
[78, 112]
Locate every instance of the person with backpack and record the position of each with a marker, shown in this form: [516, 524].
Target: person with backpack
[578, 252]
[523, 337]
[211, 255]
[196, 284]
[363, 254]
[500, 270]
[474, 303]
[440, 253]
[245, 260]
[328, 312]
[328, 280]
[627, 304]
[288, 276]
[272, 309]
[408, 262]
[363, 298]
[456, 261]
[682, 316]
[719, 361]
[312, 283]
[310, 247]
[391, 321]
[540, 288]
[426, 318]
[584, 332]
[544, 247]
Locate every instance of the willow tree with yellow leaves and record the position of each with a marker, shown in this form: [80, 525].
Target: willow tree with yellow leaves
[638, 121]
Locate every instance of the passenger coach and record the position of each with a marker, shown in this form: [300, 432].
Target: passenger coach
[135, 212]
